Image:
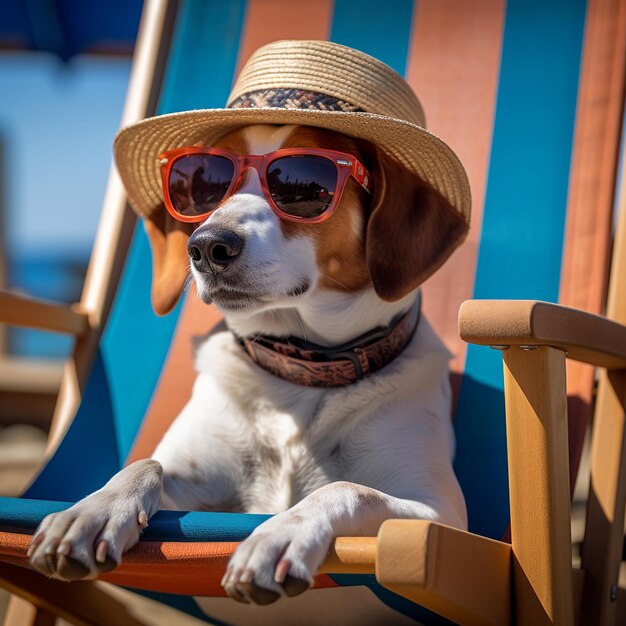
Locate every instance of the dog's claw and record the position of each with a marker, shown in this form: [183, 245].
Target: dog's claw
[36, 540]
[104, 563]
[51, 563]
[142, 519]
[282, 569]
[101, 551]
[108, 565]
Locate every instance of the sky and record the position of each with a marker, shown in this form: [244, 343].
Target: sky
[57, 123]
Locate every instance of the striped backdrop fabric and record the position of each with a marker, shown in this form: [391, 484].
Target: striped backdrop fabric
[507, 86]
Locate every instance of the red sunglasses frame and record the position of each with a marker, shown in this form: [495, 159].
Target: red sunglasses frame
[347, 165]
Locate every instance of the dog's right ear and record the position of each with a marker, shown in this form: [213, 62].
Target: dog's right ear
[170, 262]
[411, 231]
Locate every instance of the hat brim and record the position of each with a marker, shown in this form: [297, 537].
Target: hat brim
[138, 146]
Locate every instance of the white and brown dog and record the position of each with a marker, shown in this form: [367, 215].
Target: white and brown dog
[326, 460]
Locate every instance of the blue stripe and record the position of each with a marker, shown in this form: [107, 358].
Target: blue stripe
[135, 342]
[523, 226]
[88, 455]
[204, 55]
[135, 345]
[23, 515]
[381, 29]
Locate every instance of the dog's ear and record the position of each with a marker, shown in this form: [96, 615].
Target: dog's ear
[170, 262]
[412, 230]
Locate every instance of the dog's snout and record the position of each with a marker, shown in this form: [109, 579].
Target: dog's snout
[213, 248]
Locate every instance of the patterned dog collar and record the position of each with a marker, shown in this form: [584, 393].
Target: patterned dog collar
[305, 363]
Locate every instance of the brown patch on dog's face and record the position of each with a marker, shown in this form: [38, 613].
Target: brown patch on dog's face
[234, 142]
[168, 241]
[393, 239]
[339, 240]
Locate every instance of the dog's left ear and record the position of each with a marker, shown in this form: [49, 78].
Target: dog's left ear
[412, 230]
[170, 262]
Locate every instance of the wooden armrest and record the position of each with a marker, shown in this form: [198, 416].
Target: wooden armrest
[585, 337]
[462, 576]
[24, 311]
[459, 575]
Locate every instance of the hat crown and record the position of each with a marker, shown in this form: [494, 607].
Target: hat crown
[333, 70]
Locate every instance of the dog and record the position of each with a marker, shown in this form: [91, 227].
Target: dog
[327, 460]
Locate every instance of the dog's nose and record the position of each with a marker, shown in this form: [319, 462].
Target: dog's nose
[213, 248]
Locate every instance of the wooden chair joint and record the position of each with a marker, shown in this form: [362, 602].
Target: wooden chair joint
[462, 576]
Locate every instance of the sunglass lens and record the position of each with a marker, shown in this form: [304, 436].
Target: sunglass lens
[302, 186]
[199, 182]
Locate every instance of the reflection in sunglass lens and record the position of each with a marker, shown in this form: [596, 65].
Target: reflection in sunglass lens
[302, 186]
[199, 182]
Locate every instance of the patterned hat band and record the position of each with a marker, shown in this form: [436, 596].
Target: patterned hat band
[292, 99]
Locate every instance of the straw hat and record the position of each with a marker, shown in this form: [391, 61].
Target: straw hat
[312, 83]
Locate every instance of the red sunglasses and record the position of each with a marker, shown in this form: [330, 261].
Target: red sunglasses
[300, 184]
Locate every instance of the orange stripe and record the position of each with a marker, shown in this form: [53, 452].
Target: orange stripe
[283, 19]
[189, 568]
[453, 66]
[592, 188]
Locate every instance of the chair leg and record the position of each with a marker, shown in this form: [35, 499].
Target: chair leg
[536, 424]
[604, 531]
[20, 612]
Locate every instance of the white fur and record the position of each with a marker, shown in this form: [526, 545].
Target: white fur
[328, 462]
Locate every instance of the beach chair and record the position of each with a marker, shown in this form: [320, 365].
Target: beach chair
[531, 97]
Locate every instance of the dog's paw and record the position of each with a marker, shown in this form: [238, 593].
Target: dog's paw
[280, 558]
[87, 539]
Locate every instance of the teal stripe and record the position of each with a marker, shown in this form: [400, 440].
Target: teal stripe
[88, 455]
[381, 29]
[523, 224]
[23, 516]
[199, 75]
[204, 55]
[135, 342]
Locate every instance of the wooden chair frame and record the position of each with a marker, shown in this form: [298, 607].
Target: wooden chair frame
[464, 577]
[85, 320]
[475, 580]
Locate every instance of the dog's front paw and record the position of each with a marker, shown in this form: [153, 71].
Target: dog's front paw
[279, 558]
[88, 538]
